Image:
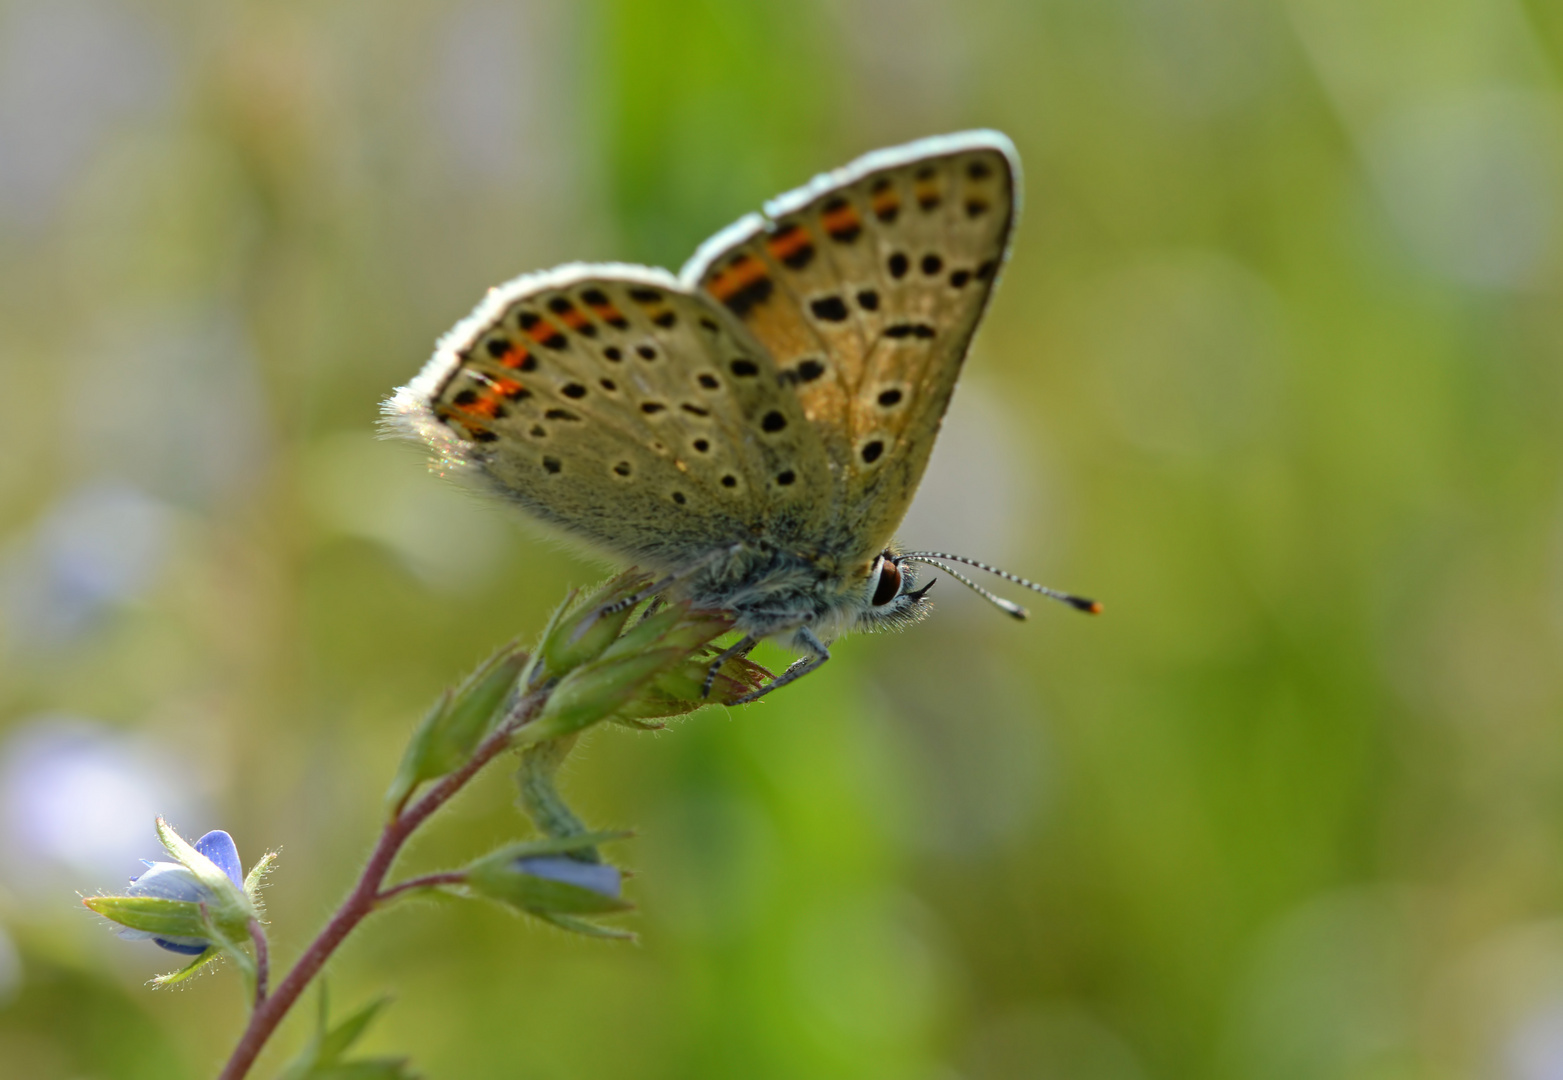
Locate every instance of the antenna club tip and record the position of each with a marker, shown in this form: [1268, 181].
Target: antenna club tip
[1090, 607]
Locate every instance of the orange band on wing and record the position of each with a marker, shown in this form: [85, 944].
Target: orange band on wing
[485, 406]
[742, 285]
[542, 331]
[610, 314]
[517, 359]
[740, 273]
[886, 202]
[475, 431]
[841, 221]
[574, 319]
[791, 245]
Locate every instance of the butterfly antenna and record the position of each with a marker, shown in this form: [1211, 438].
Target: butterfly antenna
[991, 597]
[1079, 603]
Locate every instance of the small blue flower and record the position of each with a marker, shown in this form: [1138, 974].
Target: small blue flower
[171, 881]
[598, 877]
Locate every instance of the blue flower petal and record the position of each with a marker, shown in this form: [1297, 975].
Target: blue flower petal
[219, 847]
[598, 877]
[169, 881]
[185, 946]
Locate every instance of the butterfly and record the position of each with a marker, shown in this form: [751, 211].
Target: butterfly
[753, 429]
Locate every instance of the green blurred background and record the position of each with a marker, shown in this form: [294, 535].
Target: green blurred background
[1276, 372]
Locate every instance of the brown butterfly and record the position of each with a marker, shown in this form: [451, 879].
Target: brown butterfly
[755, 427]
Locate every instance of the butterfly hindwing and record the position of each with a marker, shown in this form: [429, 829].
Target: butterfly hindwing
[611, 402]
[866, 287]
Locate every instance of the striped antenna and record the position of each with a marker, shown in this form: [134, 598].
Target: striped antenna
[1079, 603]
[992, 597]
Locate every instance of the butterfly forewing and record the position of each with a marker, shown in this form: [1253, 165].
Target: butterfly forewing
[614, 404]
[866, 287]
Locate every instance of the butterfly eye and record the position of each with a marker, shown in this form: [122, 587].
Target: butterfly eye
[889, 582]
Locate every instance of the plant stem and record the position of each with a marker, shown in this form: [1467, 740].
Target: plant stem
[453, 877]
[367, 892]
[262, 961]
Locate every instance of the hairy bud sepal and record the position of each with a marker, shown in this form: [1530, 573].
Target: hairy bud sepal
[457, 723]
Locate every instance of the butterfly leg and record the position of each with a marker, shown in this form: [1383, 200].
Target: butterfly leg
[818, 654]
[740, 649]
[630, 601]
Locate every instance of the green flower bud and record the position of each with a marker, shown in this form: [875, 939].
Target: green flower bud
[593, 691]
[674, 627]
[457, 723]
[590, 627]
[542, 878]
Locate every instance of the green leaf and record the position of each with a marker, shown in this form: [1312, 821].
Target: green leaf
[321, 1058]
[154, 914]
[341, 1038]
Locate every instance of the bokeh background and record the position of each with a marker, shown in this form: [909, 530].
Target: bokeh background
[1276, 371]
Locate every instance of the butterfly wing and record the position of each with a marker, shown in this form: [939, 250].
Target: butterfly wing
[620, 407]
[865, 287]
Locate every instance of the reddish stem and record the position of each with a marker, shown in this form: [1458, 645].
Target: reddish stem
[366, 894]
[262, 961]
[453, 877]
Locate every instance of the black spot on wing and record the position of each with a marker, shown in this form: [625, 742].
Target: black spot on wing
[829, 308]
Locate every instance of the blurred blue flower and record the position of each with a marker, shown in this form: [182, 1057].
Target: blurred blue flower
[75, 796]
[98, 546]
[171, 881]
